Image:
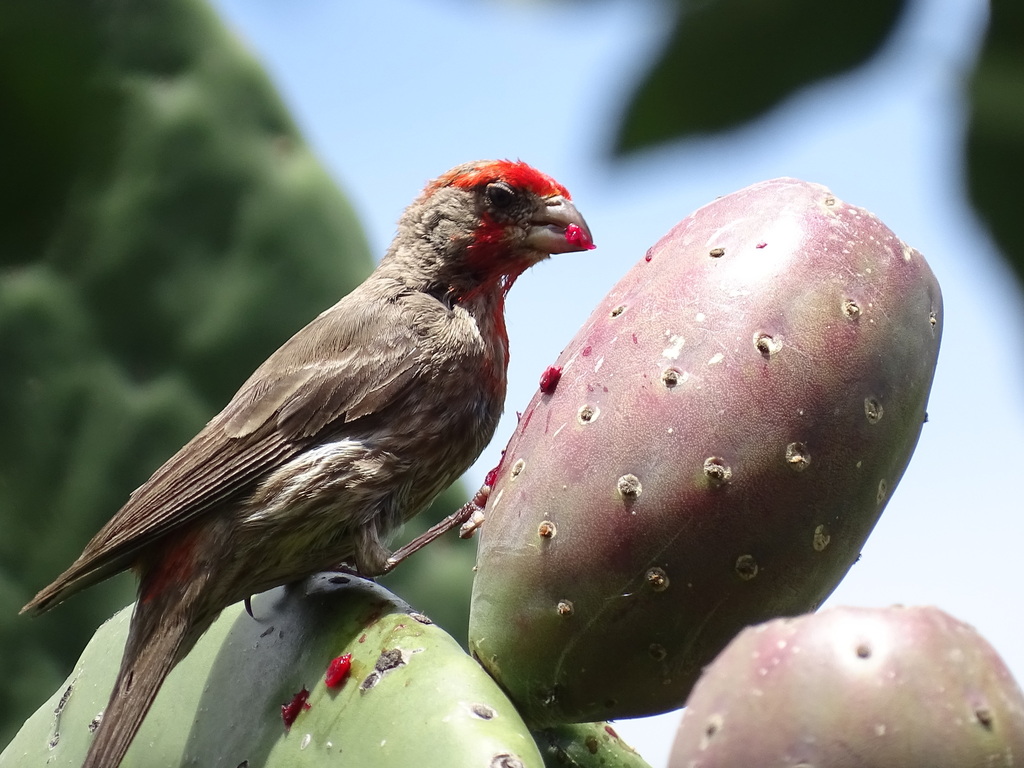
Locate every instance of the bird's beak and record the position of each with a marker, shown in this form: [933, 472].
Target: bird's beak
[557, 227]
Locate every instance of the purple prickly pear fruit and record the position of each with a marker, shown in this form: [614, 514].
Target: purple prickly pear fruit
[722, 436]
[855, 688]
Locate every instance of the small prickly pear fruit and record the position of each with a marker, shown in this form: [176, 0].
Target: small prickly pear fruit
[725, 431]
[857, 687]
[586, 745]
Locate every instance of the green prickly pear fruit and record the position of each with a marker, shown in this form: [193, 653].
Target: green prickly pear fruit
[586, 745]
[855, 688]
[710, 451]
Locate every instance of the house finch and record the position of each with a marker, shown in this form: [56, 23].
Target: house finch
[349, 429]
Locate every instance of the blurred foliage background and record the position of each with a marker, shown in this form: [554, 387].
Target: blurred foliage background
[164, 227]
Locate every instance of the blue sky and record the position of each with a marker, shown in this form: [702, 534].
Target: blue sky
[394, 92]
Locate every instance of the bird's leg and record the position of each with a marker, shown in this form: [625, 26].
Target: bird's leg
[469, 517]
[372, 559]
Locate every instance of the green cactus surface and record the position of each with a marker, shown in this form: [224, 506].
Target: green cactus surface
[586, 745]
[711, 450]
[855, 688]
[412, 697]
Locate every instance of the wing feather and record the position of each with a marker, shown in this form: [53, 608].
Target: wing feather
[326, 376]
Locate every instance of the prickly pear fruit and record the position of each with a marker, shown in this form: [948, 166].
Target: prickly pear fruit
[855, 687]
[725, 431]
[586, 745]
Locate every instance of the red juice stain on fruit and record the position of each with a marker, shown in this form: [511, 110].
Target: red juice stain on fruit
[291, 710]
[586, 351]
[525, 418]
[575, 235]
[762, 244]
[549, 379]
[338, 670]
[491, 476]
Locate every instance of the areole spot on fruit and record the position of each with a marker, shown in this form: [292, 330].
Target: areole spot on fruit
[883, 489]
[712, 727]
[851, 309]
[873, 410]
[517, 468]
[821, 538]
[657, 579]
[483, 711]
[657, 651]
[717, 471]
[746, 567]
[767, 344]
[564, 608]
[546, 530]
[797, 456]
[716, 253]
[618, 310]
[586, 414]
[670, 377]
[629, 486]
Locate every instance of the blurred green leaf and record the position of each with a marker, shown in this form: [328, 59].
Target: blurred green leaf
[729, 61]
[995, 137]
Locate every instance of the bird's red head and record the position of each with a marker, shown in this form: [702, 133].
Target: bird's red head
[476, 228]
[519, 217]
[515, 173]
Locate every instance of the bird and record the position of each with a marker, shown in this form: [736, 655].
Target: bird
[349, 429]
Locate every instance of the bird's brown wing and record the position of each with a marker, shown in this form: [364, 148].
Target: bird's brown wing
[328, 374]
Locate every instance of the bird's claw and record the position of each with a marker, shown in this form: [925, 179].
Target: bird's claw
[471, 526]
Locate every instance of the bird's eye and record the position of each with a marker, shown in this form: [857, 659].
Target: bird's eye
[499, 194]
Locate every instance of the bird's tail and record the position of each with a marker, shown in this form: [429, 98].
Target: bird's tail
[159, 637]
